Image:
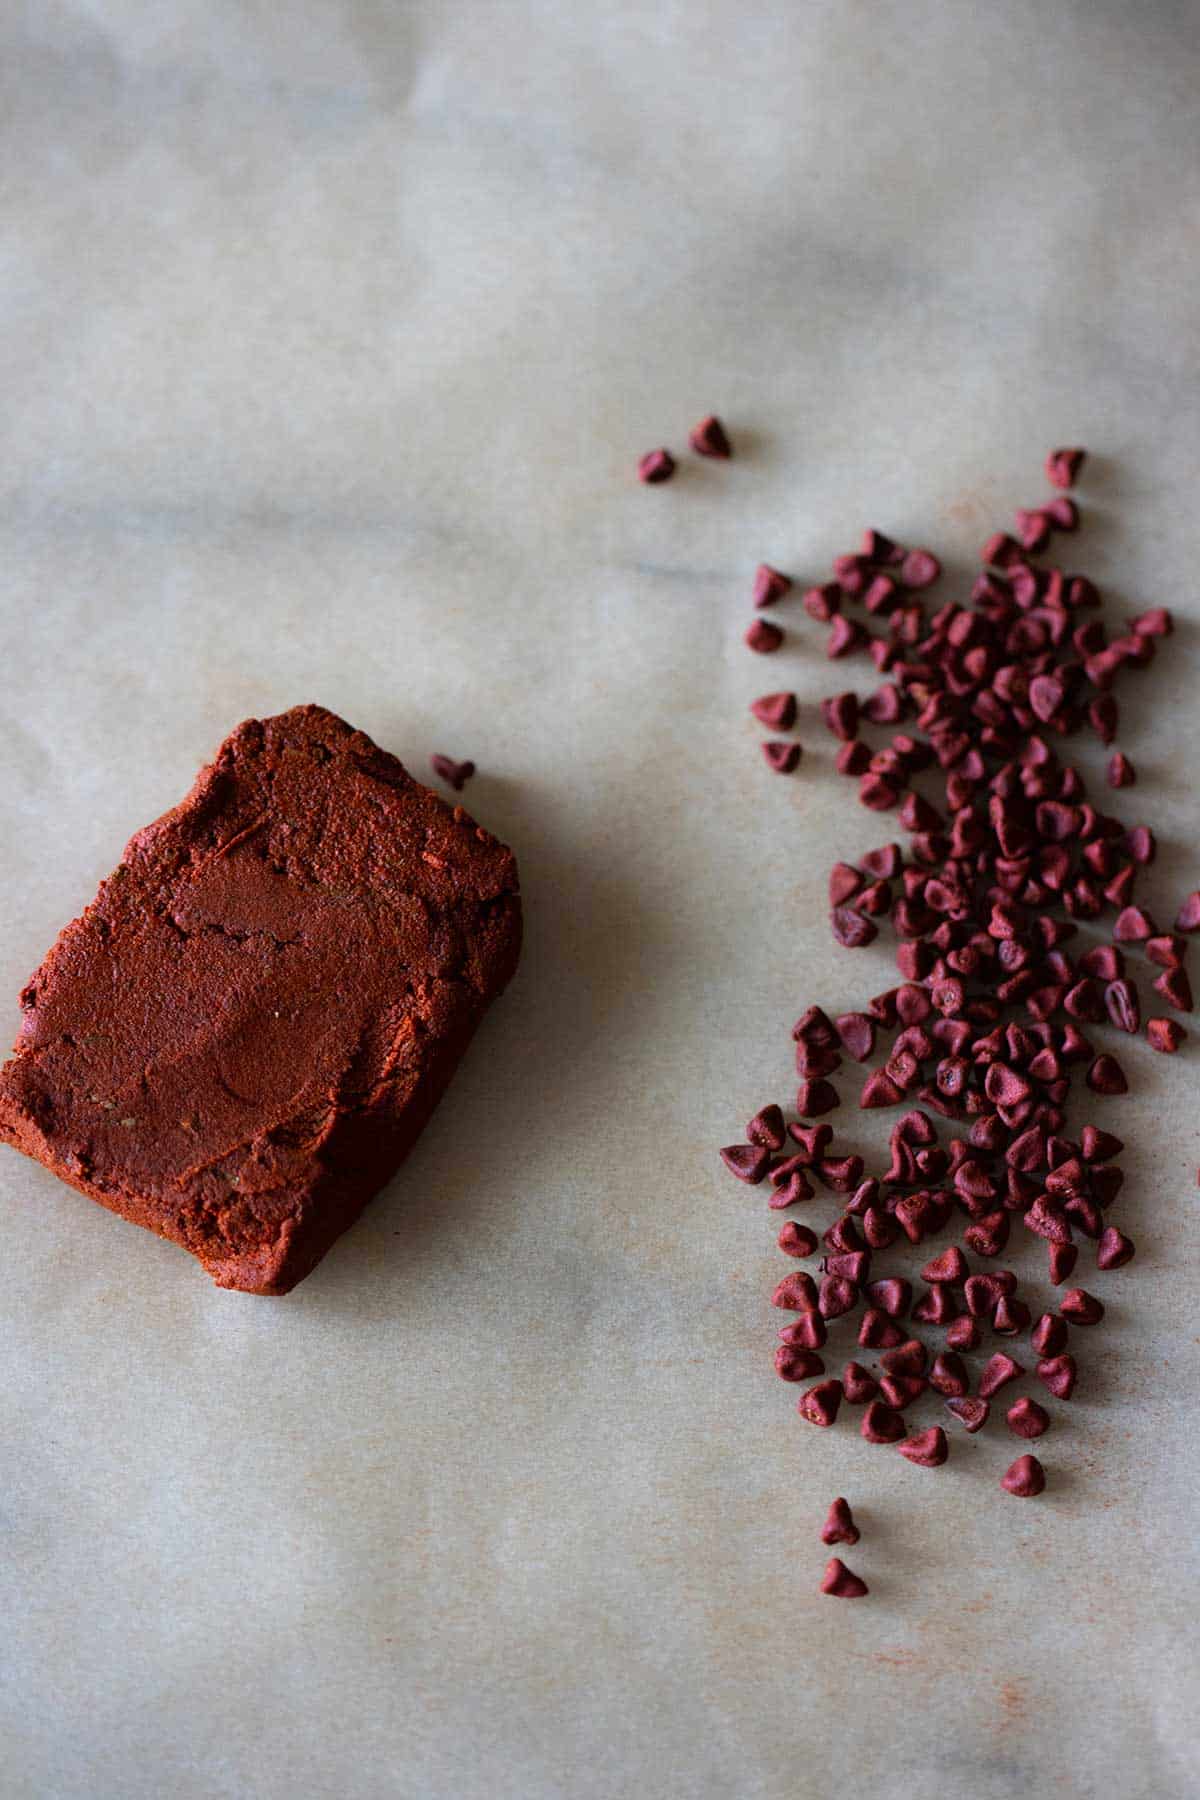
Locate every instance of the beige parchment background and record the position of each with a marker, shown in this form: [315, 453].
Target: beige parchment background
[330, 333]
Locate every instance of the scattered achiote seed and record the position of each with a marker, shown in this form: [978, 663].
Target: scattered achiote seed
[1027, 1419]
[998, 1371]
[709, 438]
[770, 585]
[749, 1162]
[456, 774]
[1081, 1307]
[1063, 466]
[1120, 772]
[928, 1449]
[839, 1526]
[1165, 1035]
[794, 1363]
[842, 1582]
[776, 711]
[1114, 1249]
[971, 1414]
[656, 466]
[763, 638]
[820, 1404]
[781, 756]
[1058, 1374]
[1025, 1478]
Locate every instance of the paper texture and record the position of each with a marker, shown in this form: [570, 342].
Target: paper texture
[331, 335]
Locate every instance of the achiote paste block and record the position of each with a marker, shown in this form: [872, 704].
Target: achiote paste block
[243, 1036]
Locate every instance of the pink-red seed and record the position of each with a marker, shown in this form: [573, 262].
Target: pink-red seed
[1187, 919]
[919, 569]
[807, 1332]
[766, 1128]
[998, 1371]
[950, 1266]
[796, 1240]
[842, 1582]
[455, 774]
[881, 1424]
[1080, 1307]
[1120, 772]
[1027, 1419]
[839, 1526]
[858, 1384]
[1063, 466]
[770, 585]
[749, 1162]
[819, 1406]
[927, 1449]
[1165, 1035]
[794, 1363]
[901, 1390]
[1106, 1076]
[1114, 1249]
[1058, 1374]
[971, 1414]
[1025, 1478]
[1062, 1259]
[1049, 1336]
[909, 1358]
[763, 637]
[797, 1292]
[781, 756]
[813, 1098]
[709, 438]
[655, 466]
[948, 1374]
[776, 711]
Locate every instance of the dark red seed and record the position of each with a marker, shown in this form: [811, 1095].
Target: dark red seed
[845, 635]
[797, 1292]
[1106, 1076]
[770, 585]
[793, 1363]
[776, 711]
[948, 1374]
[796, 1240]
[763, 637]
[816, 1097]
[1167, 950]
[656, 465]
[807, 1332]
[1033, 529]
[1120, 772]
[1063, 466]
[1121, 1001]
[709, 438]
[928, 1449]
[971, 1414]
[901, 1390]
[842, 1582]
[877, 1332]
[851, 929]
[998, 1371]
[964, 1334]
[988, 1236]
[1062, 1259]
[1026, 1419]
[1114, 1249]
[910, 1358]
[839, 1526]
[1165, 1035]
[1025, 1478]
[766, 1128]
[857, 1033]
[950, 1266]
[1058, 1373]
[749, 1162]
[1187, 919]
[892, 1296]
[456, 774]
[858, 1384]
[820, 1404]
[937, 1306]
[881, 1424]
[920, 569]
[1062, 513]
[1175, 988]
[781, 756]
[838, 1295]
[1081, 1307]
[1049, 1336]
[1010, 1317]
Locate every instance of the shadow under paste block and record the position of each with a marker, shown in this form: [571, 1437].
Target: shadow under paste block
[243, 1036]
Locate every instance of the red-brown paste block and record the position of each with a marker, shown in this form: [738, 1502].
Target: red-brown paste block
[243, 1036]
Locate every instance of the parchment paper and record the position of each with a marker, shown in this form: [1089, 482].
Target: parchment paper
[331, 333]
